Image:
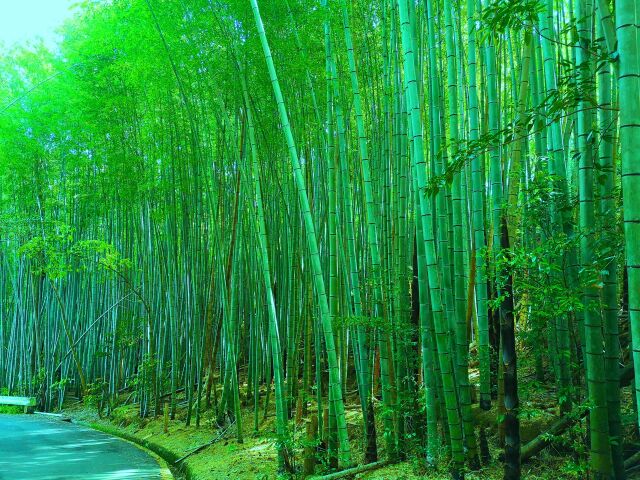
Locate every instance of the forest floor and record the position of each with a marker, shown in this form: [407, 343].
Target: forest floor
[255, 457]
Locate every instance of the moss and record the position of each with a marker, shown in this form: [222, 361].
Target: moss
[10, 409]
[256, 459]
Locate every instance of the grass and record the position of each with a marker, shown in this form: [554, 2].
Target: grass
[11, 409]
[255, 457]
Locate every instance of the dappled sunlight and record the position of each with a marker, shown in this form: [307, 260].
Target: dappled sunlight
[43, 450]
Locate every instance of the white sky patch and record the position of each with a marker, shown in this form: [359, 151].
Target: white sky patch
[22, 21]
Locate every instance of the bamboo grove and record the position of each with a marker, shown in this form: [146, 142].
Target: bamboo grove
[312, 208]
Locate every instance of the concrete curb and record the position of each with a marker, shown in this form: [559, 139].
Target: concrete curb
[55, 416]
[161, 455]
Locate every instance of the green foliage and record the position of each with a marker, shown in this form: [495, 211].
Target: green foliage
[56, 254]
[574, 469]
[11, 410]
[49, 253]
[142, 380]
[102, 254]
[96, 394]
[501, 15]
[38, 381]
[123, 415]
[60, 385]
[128, 334]
[363, 321]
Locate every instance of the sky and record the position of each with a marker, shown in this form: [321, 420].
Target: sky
[24, 20]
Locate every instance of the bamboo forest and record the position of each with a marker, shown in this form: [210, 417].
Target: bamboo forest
[327, 239]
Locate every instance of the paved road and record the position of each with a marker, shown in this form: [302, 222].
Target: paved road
[33, 448]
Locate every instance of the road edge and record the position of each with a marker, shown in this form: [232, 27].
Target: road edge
[162, 456]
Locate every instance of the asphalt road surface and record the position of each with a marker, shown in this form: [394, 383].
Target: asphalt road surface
[33, 448]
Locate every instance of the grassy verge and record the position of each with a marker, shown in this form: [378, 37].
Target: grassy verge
[11, 410]
[223, 457]
[255, 458]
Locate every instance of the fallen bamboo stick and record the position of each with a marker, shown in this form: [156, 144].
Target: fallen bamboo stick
[351, 471]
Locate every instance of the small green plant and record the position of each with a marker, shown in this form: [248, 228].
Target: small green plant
[97, 395]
